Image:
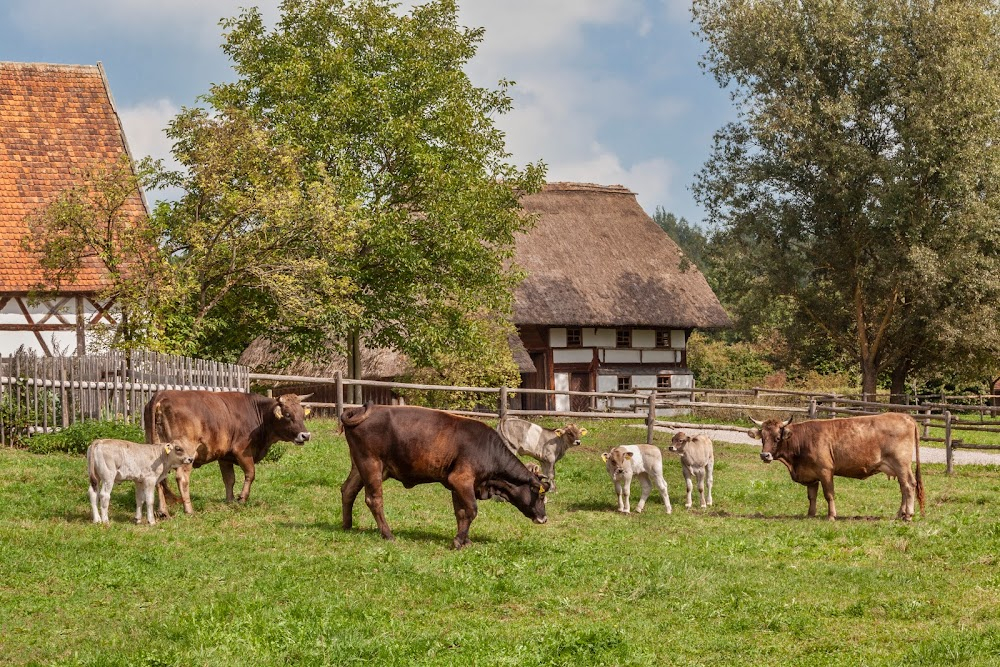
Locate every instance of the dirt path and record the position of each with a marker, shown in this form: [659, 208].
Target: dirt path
[927, 454]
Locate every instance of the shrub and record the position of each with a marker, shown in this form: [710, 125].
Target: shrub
[76, 438]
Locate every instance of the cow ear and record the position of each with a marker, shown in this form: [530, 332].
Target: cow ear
[583, 432]
[277, 411]
[604, 457]
[559, 432]
[754, 433]
[628, 455]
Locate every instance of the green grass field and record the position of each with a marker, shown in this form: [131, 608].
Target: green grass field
[277, 582]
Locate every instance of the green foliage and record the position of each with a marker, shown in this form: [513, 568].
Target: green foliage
[691, 239]
[18, 412]
[378, 107]
[749, 581]
[861, 182]
[721, 365]
[75, 438]
[101, 220]
[486, 363]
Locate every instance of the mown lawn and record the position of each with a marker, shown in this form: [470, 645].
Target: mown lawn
[277, 582]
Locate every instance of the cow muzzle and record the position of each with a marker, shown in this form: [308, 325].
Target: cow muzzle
[302, 437]
[766, 457]
[541, 519]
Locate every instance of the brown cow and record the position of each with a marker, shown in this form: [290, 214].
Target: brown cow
[417, 446]
[859, 447]
[229, 427]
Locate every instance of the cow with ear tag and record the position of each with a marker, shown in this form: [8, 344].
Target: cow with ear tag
[645, 462]
[233, 428]
[547, 446]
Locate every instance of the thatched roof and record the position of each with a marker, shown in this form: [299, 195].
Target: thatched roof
[262, 357]
[520, 354]
[595, 258]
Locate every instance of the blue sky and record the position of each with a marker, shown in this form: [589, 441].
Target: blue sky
[608, 91]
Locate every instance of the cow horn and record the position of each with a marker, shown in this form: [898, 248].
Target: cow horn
[303, 397]
[785, 423]
[756, 422]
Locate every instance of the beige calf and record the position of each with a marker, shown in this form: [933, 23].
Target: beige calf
[698, 461]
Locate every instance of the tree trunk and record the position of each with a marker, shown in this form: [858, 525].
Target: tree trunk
[897, 391]
[869, 379]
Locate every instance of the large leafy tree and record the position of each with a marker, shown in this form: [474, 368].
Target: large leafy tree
[859, 184]
[378, 105]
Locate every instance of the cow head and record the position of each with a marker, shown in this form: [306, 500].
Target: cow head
[290, 418]
[528, 497]
[771, 433]
[618, 461]
[571, 433]
[678, 442]
[180, 452]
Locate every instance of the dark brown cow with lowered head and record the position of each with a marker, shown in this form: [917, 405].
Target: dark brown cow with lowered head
[230, 427]
[859, 447]
[418, 446]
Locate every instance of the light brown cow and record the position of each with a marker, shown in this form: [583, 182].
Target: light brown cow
[858, 447]
[230, 427]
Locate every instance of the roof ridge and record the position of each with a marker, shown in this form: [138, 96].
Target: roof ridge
[9, 64]
[570, 186]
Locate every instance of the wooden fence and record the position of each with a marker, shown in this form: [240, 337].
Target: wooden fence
[40, 394]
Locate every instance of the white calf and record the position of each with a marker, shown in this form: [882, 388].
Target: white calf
[697, 460]
[526, 438]
[110, 461]
[646, 461]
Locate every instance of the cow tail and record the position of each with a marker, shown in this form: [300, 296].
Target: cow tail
[91, 471]
[920, 481]
[355, 416]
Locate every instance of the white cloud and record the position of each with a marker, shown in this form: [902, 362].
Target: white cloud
[144, 126]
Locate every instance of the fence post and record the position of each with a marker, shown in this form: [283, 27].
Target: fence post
[812, 409]
[948, 453]
[339, 393]
[651, 418]
[927, 424]
[502, 406]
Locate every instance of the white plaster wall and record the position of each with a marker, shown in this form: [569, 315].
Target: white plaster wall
[572, 356]
[681, 381]
[659, 357]
[562, 384]
[644, 381]
[622, 356]
[607, 383]
[643, 338]
[557, 337]
[677, 339]
[598, 337]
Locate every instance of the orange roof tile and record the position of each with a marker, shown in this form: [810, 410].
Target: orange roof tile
[56, 121]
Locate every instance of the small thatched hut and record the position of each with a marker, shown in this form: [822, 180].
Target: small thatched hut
[609, 301]
[261, 356]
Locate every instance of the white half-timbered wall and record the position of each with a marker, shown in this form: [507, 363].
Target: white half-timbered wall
[52, 326]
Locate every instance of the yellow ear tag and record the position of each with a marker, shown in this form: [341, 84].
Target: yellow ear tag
[583, 432]
[306, 412]
[166, 449]
[541, 490]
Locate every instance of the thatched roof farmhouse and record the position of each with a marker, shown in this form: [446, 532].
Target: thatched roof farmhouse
[609, 302]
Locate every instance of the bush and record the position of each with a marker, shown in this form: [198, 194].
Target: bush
[721, 365]
[76, 438]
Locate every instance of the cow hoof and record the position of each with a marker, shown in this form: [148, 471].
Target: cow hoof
[460, 544]
[670, 510]
[831, 518]
[688, 506]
